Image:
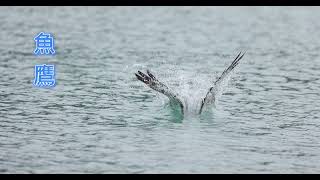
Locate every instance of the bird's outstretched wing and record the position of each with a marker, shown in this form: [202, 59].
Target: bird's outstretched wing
[150, 80]
[210, 94]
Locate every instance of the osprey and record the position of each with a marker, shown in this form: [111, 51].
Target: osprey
[150, 80]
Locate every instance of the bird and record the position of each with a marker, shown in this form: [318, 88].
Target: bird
[151, 81]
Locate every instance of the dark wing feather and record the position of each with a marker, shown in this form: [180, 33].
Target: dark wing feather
[150, 80]
[234, 63]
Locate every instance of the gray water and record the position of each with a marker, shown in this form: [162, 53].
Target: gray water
[100, 119]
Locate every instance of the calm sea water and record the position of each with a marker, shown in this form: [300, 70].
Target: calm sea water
[100, 119]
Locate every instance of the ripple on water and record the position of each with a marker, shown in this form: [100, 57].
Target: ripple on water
[100, 119]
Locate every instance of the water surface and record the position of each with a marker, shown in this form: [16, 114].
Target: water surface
[100, 119]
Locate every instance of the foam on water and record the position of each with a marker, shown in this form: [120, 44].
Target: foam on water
[192, 87]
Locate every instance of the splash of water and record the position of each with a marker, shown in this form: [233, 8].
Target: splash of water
[192, 88]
